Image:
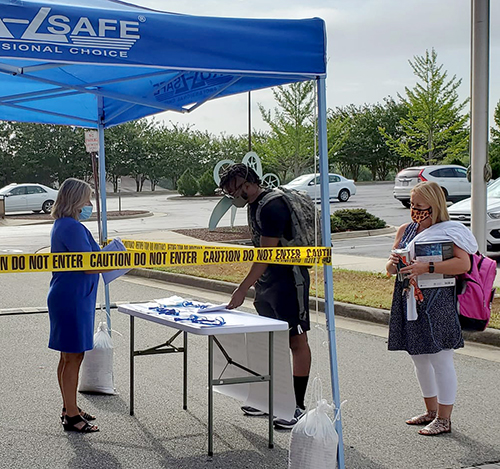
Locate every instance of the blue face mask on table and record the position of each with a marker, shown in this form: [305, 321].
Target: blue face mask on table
[85, 212]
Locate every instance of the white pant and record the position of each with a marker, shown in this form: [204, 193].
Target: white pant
[436, 375]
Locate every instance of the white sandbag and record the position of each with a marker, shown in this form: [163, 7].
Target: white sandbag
[314, 440]
[96, 373]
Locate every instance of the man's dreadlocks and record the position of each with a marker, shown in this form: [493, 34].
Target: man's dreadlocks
[239, 170]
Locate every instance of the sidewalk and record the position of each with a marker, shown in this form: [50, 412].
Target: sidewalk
[379, 387]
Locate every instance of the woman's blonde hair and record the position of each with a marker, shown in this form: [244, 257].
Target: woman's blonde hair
[71, 198]
[434, 196]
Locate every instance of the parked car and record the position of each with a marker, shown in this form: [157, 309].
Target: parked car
[339, 187]
[24, 197]
[461, 211]
[452, 179]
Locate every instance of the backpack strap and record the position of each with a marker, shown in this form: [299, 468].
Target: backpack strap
[271, 195]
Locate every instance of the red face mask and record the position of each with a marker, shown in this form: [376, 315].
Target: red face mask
[419, 215]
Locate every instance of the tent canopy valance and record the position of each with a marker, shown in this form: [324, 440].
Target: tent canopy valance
[110, 62]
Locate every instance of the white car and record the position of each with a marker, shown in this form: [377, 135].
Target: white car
[339, 187]
[461, 211]
[24, 197]
[452, 179]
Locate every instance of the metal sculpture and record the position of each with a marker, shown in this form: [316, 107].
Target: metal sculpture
[252, 160]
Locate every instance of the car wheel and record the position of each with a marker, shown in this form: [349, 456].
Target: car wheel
[406, 203]
[445, 193]
[344, 195]
[47, 206]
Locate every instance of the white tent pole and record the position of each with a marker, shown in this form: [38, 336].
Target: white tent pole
[480, 45]
[327, 269]
[102, 186]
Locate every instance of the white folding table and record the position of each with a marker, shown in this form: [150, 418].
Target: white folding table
[236, 322]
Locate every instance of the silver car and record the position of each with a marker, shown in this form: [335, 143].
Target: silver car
[28, 197]
[461, 211]
[452, 179]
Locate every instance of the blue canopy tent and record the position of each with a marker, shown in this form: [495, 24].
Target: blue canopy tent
[110, 62]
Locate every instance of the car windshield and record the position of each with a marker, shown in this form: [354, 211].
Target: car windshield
[301, 179]
[6, 189]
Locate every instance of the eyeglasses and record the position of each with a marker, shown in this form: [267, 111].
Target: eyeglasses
[232, 194]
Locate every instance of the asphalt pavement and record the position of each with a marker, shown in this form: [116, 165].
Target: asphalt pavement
[380, 389]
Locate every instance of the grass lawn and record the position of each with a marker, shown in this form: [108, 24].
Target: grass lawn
[361, 288]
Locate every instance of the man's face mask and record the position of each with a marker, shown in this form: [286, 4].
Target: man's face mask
[239, 200]
[418, 215]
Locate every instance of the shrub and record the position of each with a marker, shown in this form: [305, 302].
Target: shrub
[354, 220]
[207, 184]
[187, 184]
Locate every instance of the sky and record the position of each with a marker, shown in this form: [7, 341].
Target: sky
[369, 44]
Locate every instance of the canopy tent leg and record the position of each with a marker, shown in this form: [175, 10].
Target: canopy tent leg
[327, 269]
[104, 213]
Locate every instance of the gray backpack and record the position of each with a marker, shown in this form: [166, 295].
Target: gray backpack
[306, 223]
[306, 230]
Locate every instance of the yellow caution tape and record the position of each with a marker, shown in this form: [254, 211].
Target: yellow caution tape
[153, 254]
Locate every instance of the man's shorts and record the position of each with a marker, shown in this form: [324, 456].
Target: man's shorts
[276, 297]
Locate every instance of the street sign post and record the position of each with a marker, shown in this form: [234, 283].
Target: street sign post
[119, 187]
[92, 141]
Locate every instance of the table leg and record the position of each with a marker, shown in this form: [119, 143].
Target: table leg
[210, 395]
[271, 389]
[184, 402]
[132, 365]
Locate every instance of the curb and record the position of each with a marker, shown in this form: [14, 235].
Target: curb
[364, 233]
[342, 235]
[23, 222]
[347, 310]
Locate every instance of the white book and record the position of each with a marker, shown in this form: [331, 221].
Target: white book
[434, 251]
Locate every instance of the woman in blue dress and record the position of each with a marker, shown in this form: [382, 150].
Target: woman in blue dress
[424, 322]
[72, 298]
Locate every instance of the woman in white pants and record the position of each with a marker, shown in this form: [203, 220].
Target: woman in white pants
[424, 322]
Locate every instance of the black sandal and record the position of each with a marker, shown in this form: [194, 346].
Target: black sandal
[70, 423]
[84, 414]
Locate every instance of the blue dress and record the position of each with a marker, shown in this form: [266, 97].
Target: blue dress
[437, 326]
[72, 295]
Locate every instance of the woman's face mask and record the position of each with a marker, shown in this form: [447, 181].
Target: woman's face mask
[85, 212]
[418, 215]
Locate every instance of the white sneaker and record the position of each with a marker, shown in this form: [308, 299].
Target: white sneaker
[289, 424]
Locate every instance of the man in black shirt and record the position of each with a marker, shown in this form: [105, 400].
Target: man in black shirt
[276, 293]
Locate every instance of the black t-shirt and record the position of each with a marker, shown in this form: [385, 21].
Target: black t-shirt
[275, 218]
[275, 222]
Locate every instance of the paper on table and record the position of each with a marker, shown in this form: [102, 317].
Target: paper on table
[215, 309]
[110, 275]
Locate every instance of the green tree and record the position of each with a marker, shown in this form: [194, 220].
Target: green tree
[361, 143]
[43, 153]
[388, 119]
[494, 150]
[207, 184]
[290, 146]
[187, 184]
[435, 129]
